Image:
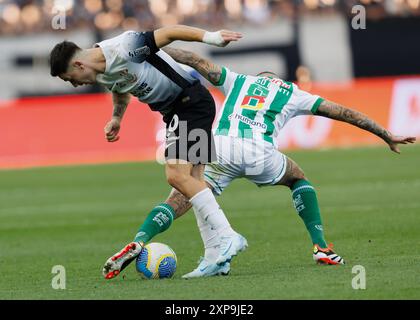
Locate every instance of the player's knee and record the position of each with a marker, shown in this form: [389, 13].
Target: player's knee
[297, 175]
[293, 175]
[300, 175]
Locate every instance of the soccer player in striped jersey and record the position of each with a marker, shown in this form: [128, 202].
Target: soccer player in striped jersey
[255, 110]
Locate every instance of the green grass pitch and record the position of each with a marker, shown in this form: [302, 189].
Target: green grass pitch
[78, 216]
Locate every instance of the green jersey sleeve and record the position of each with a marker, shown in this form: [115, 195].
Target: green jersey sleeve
[226, 80]
[305, 103]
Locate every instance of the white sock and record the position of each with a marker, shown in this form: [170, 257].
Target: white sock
[208, 210]
[210, 238]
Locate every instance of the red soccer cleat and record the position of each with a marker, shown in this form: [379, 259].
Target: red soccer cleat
[119, 261]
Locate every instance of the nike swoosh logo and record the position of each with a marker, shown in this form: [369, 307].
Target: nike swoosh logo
[203, 269]
[227, 249]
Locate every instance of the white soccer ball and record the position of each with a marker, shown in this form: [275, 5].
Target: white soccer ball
[156, 261]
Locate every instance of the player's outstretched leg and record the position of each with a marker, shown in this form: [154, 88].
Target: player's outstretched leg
[306, 204]
[158, 220]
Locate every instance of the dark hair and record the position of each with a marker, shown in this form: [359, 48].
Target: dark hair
[268, 74]
[60, 57]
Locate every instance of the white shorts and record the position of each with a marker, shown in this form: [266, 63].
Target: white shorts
[257, 161]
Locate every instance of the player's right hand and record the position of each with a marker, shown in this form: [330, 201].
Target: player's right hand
[112, 129]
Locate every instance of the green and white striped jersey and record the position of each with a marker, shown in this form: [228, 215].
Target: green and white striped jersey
[258, 107]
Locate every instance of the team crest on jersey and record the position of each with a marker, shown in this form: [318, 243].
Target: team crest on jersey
[128, 78]
[253, 102]
[256, 95]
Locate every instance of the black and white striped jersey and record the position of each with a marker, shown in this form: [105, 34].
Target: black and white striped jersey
[134, 64]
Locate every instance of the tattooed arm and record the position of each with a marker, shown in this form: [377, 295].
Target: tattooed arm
[112, 128]
[212, 72]
[120, 102]
[335, 111]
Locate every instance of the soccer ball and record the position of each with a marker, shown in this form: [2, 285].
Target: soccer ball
[156, 261]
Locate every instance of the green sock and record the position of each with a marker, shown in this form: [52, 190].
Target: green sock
[158, 220]
[306, 204]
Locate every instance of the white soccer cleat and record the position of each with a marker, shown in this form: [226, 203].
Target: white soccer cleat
[230, 246]
[119, 261]
[208, 269]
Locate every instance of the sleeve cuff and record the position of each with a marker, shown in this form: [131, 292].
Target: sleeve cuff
[316, 105]
[222, 78]
[150, 40]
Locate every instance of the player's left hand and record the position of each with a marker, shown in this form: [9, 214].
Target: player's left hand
[229, 36]
[221, 38]
[394, 141]
[112, 129]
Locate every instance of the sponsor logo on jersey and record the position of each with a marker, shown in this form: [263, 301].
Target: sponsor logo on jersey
[145, 50]
[280, 83]
[248, 121]
[142, 90]
[253, 102]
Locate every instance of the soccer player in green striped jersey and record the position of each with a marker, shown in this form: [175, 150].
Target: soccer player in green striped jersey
[255, 109]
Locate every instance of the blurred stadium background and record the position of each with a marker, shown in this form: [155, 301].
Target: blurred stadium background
[308, 41]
